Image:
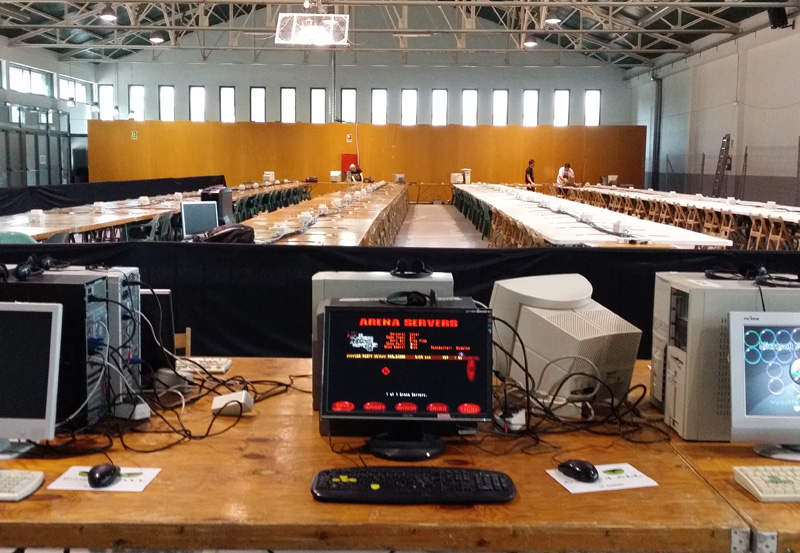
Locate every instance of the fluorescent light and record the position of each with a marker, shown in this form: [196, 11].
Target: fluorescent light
[108, 14]
[158, 37]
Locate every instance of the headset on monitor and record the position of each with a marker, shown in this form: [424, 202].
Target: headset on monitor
[411, 299]
[410, 269]
[756, 273]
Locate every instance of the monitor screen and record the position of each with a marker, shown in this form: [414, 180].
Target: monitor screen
[408, 364]
[30, 347]
[765, 379]
[198, 217]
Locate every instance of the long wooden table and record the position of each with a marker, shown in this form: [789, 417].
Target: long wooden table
[249, 488]
[371, 219]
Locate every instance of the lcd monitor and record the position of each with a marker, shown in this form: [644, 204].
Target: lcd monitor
[198, 217]
[765, 382]
[403, 367]
[30, 348]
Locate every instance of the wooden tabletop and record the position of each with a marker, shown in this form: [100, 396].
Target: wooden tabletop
[249, 488]
[348, 226]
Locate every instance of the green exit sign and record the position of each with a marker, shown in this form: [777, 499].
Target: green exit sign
[134, 135]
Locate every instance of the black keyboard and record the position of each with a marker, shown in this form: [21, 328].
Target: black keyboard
[405, 485]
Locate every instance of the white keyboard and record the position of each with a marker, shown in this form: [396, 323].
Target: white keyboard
[19, 484]
[214, 365]
[770, 483]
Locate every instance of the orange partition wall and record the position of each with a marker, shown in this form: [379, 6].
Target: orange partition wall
[130, 150]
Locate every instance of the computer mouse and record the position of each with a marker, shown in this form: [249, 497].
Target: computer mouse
[582, 471]
[102, 476]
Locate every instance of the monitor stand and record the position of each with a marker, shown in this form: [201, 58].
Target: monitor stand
[784, 452]
[406, 445]
[11, 450]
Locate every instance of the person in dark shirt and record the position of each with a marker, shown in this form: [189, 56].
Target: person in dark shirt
[529, 175]
[355, 173]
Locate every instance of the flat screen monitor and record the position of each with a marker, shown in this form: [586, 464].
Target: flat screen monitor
[406, 366]
[198, 217]
[156, 306]
[30, 348]
[765, 382]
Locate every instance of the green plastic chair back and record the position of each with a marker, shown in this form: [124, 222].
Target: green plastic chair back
[12, 237]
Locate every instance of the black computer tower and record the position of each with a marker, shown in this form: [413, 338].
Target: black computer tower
[224, 198]
[84, 328]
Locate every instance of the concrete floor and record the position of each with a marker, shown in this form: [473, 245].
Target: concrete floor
[437, 226]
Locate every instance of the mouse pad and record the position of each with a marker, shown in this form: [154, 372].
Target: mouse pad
[132, 479]
[617, 476]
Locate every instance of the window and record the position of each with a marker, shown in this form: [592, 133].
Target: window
[500, 108]
[439, 107]
[258, 104]
[349, 105]
[379, 106]
[561, 108]
[317, 105]
[25, 79]
[77, 90]
[197, 103]
[166, 103]
[408, 107]
[469, 108]
[288, 110]
[106, 99]
[591, 110]
[136, 102]
[227, 104]
[530, 108]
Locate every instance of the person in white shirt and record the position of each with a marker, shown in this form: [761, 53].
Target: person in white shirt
[565, 175]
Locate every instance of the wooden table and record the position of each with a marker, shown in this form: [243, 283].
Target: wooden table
[248, 488]
[371, 220]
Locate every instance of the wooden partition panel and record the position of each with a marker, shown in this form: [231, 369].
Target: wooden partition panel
[125, 150]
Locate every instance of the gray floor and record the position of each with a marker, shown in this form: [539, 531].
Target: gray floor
[437, 226]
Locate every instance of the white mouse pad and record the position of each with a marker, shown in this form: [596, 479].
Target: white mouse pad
[617, 476]
[132, 479]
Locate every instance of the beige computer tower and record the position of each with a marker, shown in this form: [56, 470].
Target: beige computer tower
[690, 378]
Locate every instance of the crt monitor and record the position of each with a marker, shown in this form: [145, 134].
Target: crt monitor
[30, 347]
[198, 217]
[765, 382]
[406, 369]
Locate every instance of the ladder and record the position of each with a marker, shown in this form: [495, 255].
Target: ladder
[719, 176]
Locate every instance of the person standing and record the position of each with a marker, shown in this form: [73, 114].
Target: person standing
[529, 174]
[565, 175]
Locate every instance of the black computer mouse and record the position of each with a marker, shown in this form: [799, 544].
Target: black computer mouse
[102, 476]
[583, 471]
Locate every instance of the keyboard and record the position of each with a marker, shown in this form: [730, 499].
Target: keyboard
[407, 485]
[19, 484]
[214, 365]
[770, 483]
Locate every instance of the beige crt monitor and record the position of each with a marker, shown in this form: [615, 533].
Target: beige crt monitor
[362, 284]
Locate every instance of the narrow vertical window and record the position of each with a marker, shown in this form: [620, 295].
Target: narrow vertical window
[227, 104]
[106, 99]
[136, 102]
[530, 108]
[591, 108]
[500, 108]
[258, 104]
[288, 105]
[469, 108]
[561, 108]
[379, 106]
[408, 106]
[349, 105]
[318, 105]
[166, 103]
[439, 107]
[197, 104]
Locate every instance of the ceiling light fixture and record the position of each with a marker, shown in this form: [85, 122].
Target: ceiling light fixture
[312, 29]
[71, 102]
[116, 111]
[158, 37]
[530, 41]
[551, 17]
[108, 14]
[95, 107]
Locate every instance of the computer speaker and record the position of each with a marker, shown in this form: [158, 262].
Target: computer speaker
[777, 18]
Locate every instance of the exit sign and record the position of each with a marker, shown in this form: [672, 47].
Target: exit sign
[134, 135]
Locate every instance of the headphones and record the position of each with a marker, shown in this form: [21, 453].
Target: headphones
[410, 269]
[757, 273]
[35, 266]
[411, 299]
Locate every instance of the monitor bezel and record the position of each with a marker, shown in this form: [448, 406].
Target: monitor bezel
[761, 428]
[40, 428]
[327, 414]
[197, 205]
